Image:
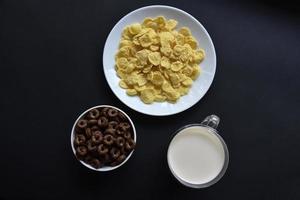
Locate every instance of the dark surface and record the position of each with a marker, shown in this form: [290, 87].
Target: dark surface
[51, 71]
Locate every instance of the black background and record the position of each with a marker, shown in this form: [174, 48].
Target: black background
[51, 71]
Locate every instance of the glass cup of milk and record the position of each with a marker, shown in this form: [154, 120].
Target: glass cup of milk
[197, 155]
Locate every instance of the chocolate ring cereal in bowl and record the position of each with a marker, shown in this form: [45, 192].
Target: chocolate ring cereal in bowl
[103, 138]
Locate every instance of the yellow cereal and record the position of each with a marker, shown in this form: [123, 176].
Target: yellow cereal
[166, 75]
[160, 21]
[121, 74]
[191, 41]
[199, 55]
[195, 73]
[139, 88]
[131, 92]
[147, 96]
[165, 62]
[132, 78]
[135, 28]
[185, 31]
[154, 58]
[178, 49]
[146, 21]
[142, 56]
[171, 24]
[166, 38]
[136, 41]
[149, 23]
[143, 31]
[133, 60]
[166, 50]
[187, 71]
[124, 52]
[122, 63]
[122, 84]
[141, 80]
[179, 38]
[187, 82]
[157, 91]
[172, 96]
[129, 68]
[125, 43]
[166, 87]
[156, 62]
[147, 69]
[126, 34]
[154, 48]
[160, 98]
[157, 78]
[183, 90]
[176, 66]
[145, 40]
[175, 79]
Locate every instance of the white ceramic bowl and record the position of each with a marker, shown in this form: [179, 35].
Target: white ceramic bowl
[105, 168]
[199, 87]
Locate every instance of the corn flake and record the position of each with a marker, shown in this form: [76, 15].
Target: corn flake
[131, 92]
[154, 58]
[147, 95]
[176, 66]
[135, 28]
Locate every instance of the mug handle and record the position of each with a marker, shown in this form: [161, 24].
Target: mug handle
[211, 121]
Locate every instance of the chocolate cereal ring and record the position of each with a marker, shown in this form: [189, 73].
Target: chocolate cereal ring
[82, 123]
[121, 129]
[88, 132]
[97, 137]
[120, 141]
[103, 122]
[92, 122]
[95, 163]
[125, 125]
[91, 146]
[88, 159]
[115, 163]
[104, 111]
[113, 124]
[130, 144]
[106, 158]
[94, 114]
[108, 139]
[81, 151]
[123, 150]
[102, 150]
[115, 153]
[127, 135]
[121, 158]
[79, 139]
[121, 116]
[94, 128]
[110, 131]
[120, 132]
[112, 113]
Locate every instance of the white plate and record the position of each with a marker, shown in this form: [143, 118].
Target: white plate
[199, 87]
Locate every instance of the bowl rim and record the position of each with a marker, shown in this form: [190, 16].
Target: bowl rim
[106, 168]
[177, 10]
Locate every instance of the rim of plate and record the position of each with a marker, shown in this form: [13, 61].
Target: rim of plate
[192, 18]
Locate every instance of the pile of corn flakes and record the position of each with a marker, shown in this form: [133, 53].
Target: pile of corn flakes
[157, 62]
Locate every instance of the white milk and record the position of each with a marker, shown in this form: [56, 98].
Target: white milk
[196, 155]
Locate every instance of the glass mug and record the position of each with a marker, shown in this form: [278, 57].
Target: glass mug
[197, 155]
